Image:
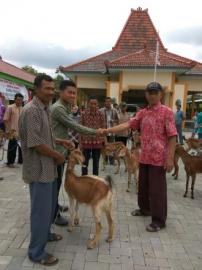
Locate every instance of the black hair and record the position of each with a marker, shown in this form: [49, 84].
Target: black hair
[108, 98]
[92, 97]
[39, 78]
[66, 83]
[18, 95]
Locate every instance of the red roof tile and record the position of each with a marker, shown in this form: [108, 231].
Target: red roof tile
[135, 48]
[16, 72]
[146, 58]
[138, 32]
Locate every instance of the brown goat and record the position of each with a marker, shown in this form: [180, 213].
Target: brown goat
[91, 190]
[192, 165]
[192, 143]
[114, 149]
[132, 163]
[195, 144]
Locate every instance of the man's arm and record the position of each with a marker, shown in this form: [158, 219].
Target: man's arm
[170, 154]
[67, 121]
[44, 150]
[118, 128]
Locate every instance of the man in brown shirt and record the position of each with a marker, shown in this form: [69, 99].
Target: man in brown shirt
[11, 118]
[39, 168]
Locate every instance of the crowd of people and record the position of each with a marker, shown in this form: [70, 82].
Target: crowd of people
[47, 132]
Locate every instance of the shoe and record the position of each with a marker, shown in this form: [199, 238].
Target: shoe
[63, 208]
[12, 166]
[48, 260]
[61, 221]
[54, 237]
[154, 227]
[139, 213]
[1, 178]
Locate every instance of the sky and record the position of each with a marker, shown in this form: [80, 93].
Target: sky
[45, 34]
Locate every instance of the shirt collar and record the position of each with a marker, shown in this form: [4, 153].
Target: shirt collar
[39, 103]
[155, 107]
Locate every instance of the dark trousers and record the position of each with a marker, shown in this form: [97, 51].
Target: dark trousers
[152, 194]
[95, 153]
[179, 133]
[2, 126]
[111, 158]
[11, 153]
[121, 139]
[60, 169]
[43, 201]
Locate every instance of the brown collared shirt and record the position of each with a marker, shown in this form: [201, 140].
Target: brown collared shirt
[34, 130]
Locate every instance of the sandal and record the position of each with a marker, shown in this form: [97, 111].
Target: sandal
[48, 260]
[139, 213]
[153, 227]
[53, 237]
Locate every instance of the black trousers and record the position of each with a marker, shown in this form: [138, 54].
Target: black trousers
[121, 139]
[11, 153]
[60, 169]
[152, 194]
[95, 153]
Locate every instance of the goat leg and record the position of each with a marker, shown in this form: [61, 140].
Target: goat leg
[76, 219]
[92, 243]
[111, 225]
[129, 182]
[118, 164]
[192, 185]
[187, 186]
[72, 214]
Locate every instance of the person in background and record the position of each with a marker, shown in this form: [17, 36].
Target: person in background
[91, 146]
[2, 112]
[195, 128]
[199, 122]
[11, 118]
[158, 141]
[179, 117]
[62, 122]
[111, 119]
[123, 117]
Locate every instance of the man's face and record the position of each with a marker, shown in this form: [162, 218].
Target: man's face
[93, 104]
[108, 103]
[46, 91]
[153, 97]
[68, 95]
[18, 101]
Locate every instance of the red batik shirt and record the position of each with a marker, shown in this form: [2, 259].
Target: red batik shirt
[156, 125]
[92, 120]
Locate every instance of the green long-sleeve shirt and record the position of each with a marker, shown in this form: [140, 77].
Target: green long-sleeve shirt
[61, 122]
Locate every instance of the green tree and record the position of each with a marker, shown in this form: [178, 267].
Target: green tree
[30, 69]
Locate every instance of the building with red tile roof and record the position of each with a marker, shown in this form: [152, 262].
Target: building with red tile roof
[124, 71]
[14, 79]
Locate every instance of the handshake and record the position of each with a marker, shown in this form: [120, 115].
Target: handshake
[102, 131]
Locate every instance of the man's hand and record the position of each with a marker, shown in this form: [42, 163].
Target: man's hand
[101, 131]
[65, 143]
[59, 158]
[169, 165]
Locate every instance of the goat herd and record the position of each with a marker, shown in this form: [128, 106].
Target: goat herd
[96, 192]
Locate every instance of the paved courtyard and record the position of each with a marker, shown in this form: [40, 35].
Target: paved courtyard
[177, 247]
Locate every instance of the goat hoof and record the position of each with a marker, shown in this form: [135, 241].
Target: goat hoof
[76, 221]
[70, 229]
[127, 190]
[109, 239]
[175, 178]
[91, 244]
[185, 195]
[192, 197]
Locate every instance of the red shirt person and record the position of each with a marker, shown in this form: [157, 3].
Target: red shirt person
[158, 140]
[90, 145]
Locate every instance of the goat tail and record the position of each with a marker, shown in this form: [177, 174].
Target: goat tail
[109, 180]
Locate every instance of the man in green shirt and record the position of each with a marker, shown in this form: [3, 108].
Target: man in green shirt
[62, 121]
